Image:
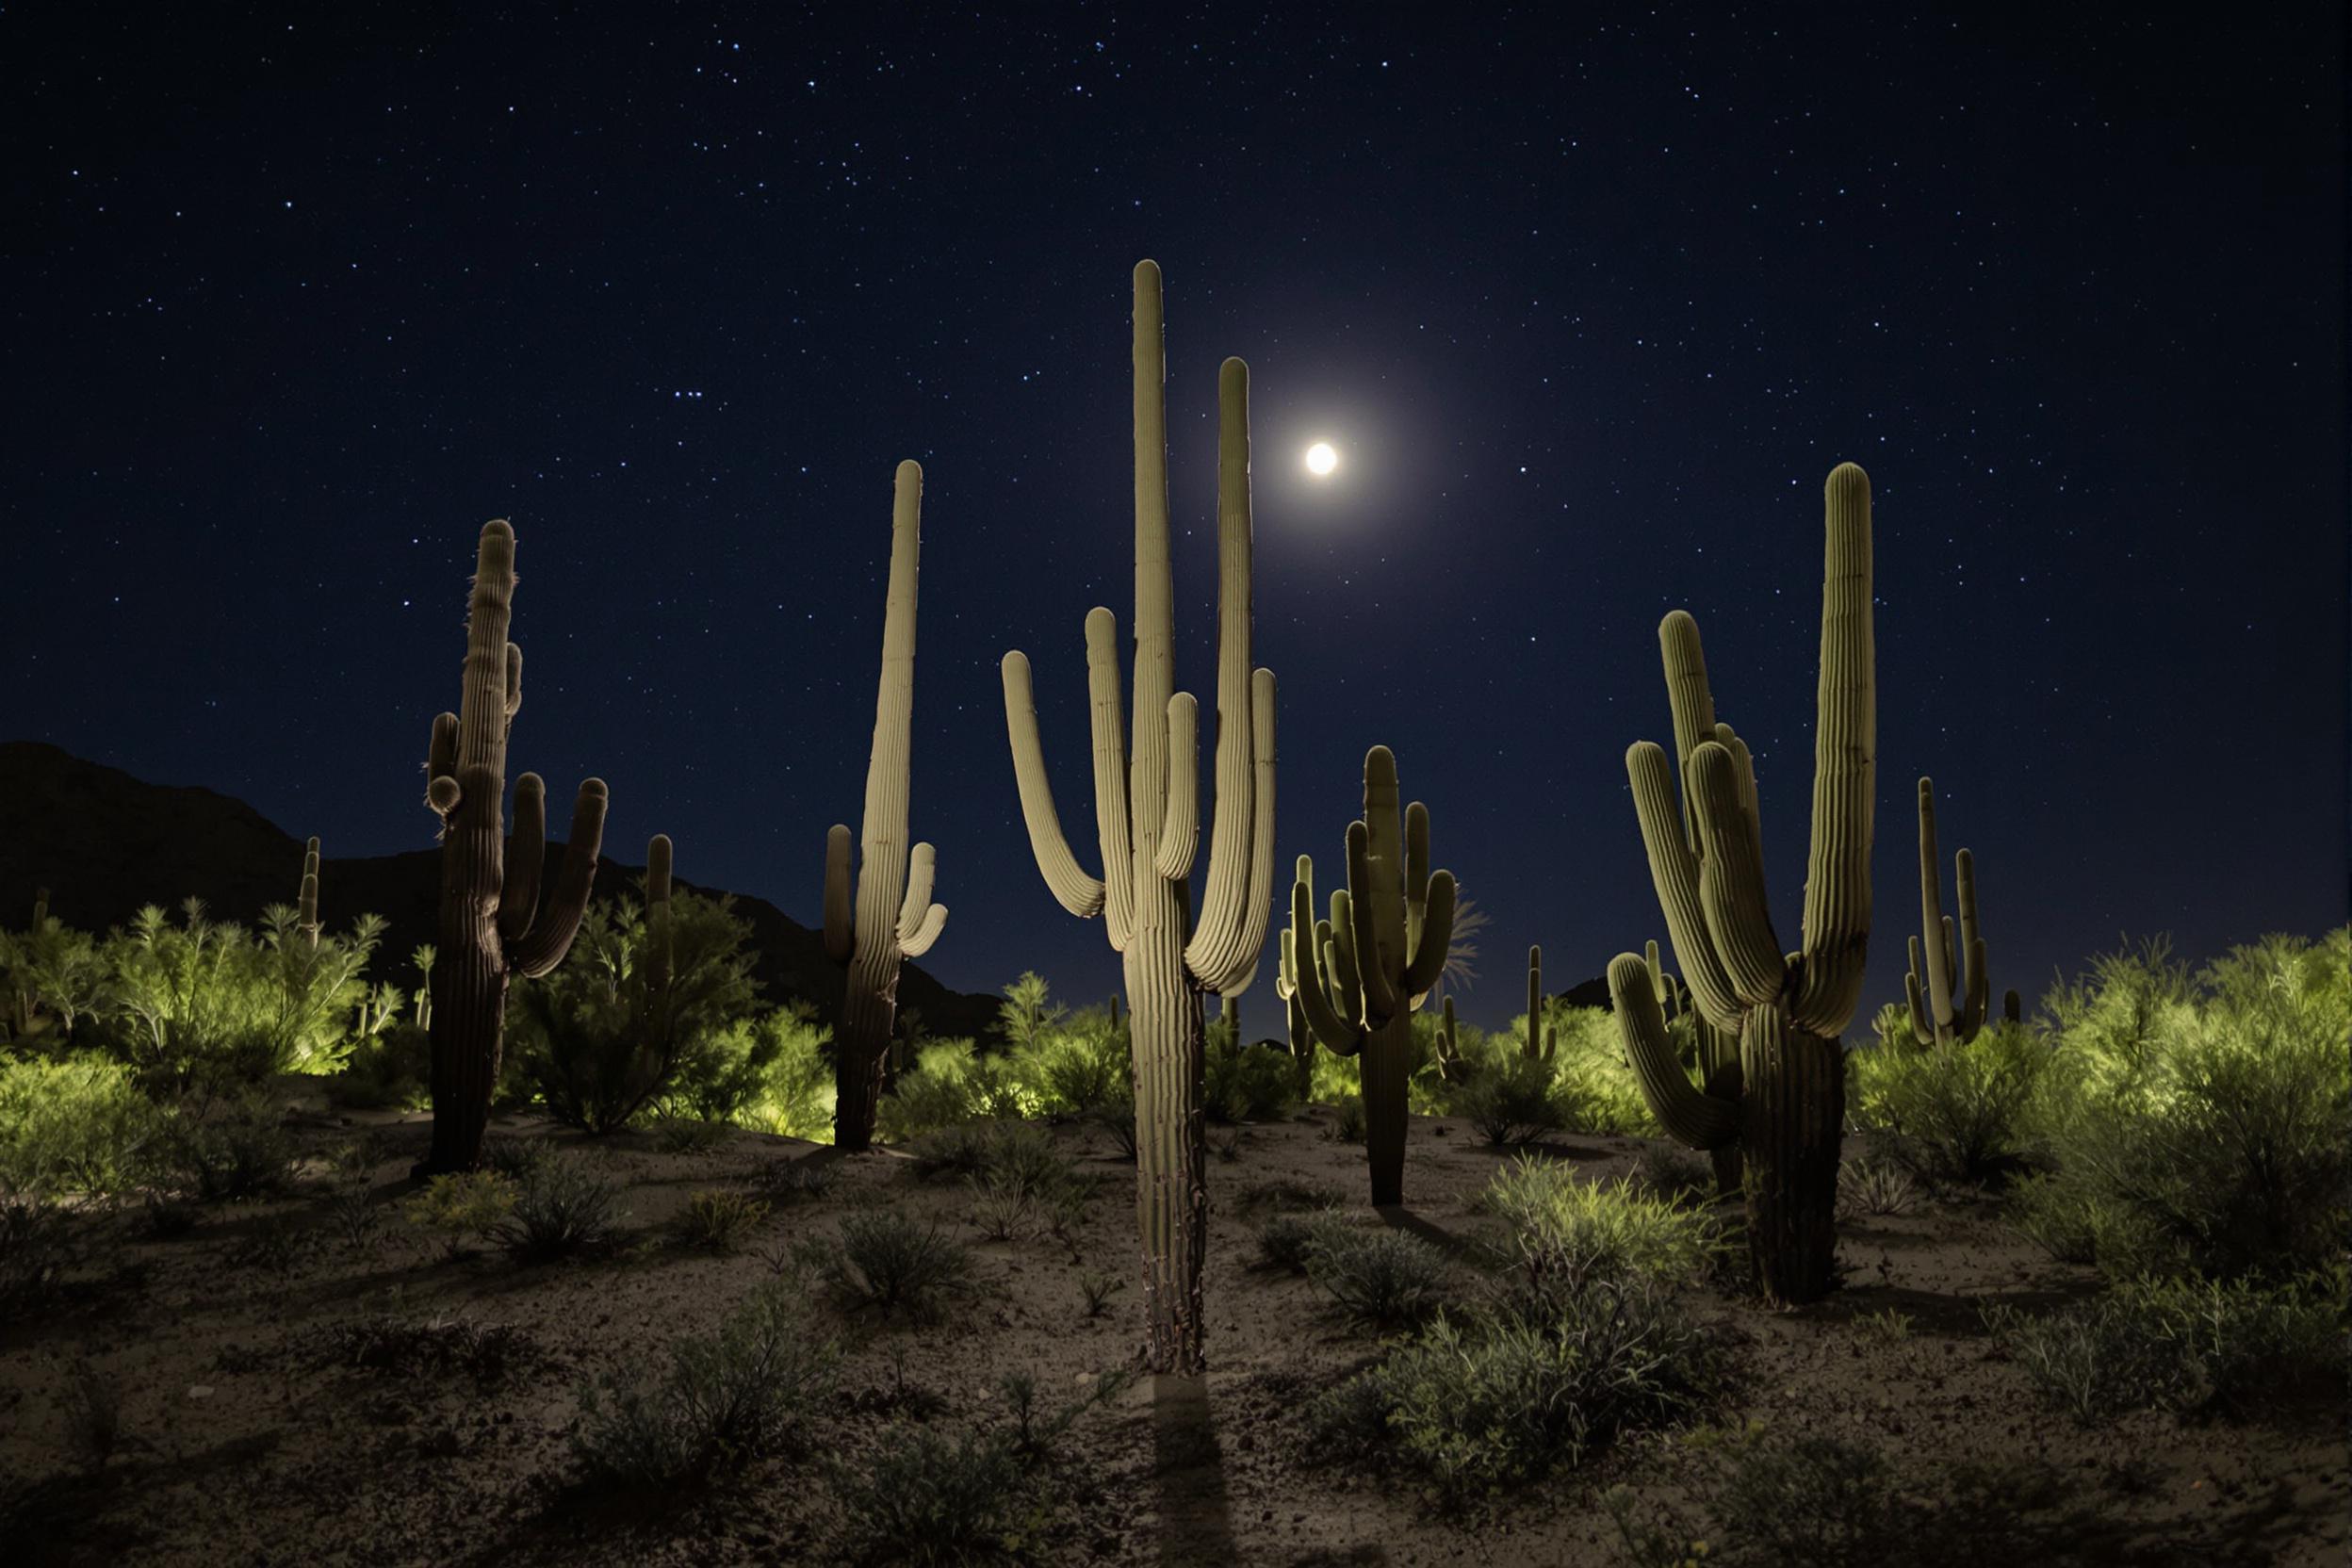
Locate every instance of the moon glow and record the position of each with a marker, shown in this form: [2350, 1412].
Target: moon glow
[1321, 459]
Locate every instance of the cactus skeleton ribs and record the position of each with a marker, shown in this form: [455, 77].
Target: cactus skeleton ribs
[1788, 1109]
[494, 924]
[1361, 974]
[1147, 822]
[1945, 1011]
[888, 916]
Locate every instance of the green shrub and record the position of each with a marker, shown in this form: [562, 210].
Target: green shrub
[1872, 1184]
[881, 1260]
[389, 1069]
[462, 1207]
[1665, 1171]
[2209, 1132]
[432, 1347]
[750, 1391]
[1247, 1083]
[1955, 1113]
[73, 1124]
[2179, 1344]
[1290, 1242]
[52, 979]
[238, 1149]
[1511, 1100]
[1116, 1118]
[1811, 1499]
[600, 1043]
[1074, 1069]
[1482, 1410]
[945, 1086]
[1595, 1088]
[795, 1098]
[718, 1220]
[563, 1203]
[1563, 1234]
[1383, 1280]
[727, 1077]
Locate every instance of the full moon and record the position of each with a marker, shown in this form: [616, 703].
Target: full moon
[1321, 459]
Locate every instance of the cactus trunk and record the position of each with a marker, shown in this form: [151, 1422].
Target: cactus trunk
[1387, 1052]
[1792, 1117]
[1168, 1038]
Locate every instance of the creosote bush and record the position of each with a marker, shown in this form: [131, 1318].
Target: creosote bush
[720, 1220]
[880, 1260]
[750, 1391]
[1383, 1280]
[1954, 1113]
[564, 1204]
[2179, 1344]
[238, 1149]
[1511, 1098]
[462, 1207]
[75, 1123]
[1562, 1233]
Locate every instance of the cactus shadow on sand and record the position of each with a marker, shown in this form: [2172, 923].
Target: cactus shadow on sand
[1187, 1464]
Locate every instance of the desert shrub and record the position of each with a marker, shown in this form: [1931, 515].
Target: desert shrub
[1952, 1113]
[1348, 1126]
[2179, 1344]
[1482, 1409]
[91, 1405]
[945, 1086]
[718, 1220]
[52, 979]
[1247, 1083]
[793, 1095]
[564, 1204]
[39, 1243]
[461, 1207]
[1665, 1171]
[1383, 1280]
[600, 1042]
[1871, 1184]
[430, 1347]
[74, 1123]
[1289, 1242]
[882, 1261]
[749, 1391]
[1510, 1098]
[388, 1070]
[1595, 1089]
[206, 1002]
[789, 1181]
[1563, 1234]
[1115, 1116]
[1074, 1068]
[2207, 1130]
[677, 1135]
[1810, 1500]
[238, 1149]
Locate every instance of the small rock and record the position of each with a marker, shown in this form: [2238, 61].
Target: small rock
[200, 1391]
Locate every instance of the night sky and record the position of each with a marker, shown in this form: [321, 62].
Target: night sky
[297, 299]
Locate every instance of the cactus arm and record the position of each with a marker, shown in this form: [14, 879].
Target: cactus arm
[1690, 1115]
[840, 895]
[1336, 938]
[1112, 789]
[1731, 880]
[1691, 701]
[1675, 872]
[1180, 833]
[526, 854]
[1308, 975]
[542, 947]
[658, 929]
[1922, 1024]
[1073, 886]
[1416, 872]
[1365, 901]
[1744, 767]
[1845, 761]
[1260, 914]
[441, 765]
[923, 866]
[1217, 946]
[1436, 934]
[919, 942]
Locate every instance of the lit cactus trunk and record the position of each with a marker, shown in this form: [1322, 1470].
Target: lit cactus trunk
[888, 916]
[492, 923]
[1147, 824]
[1787, 1111]
[1945, 1010]
[1362, 975]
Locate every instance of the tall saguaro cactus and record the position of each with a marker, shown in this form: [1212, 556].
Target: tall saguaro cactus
[1147, 821]
[1788, 1010]
[307, 906]
[1542, 1043]
[494, 925]
[889, 916]
[1366, 968]
[1944, 1012]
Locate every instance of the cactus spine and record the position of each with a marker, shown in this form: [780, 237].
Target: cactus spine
[1148, 825]
[493, 925]
[1944, 1011]
[1368, 967]
[889, 916]
[1706, 864]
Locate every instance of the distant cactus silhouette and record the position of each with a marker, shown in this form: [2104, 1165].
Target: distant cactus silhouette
[889, 916]
[493, 925]
[1944, 1012]
[1147, 819]
[1366, 968]
[1543, 1041]
[1451, 1065]
[2012, 1008]
[1706, 863]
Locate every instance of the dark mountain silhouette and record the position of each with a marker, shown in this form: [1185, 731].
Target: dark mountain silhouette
[104, 843]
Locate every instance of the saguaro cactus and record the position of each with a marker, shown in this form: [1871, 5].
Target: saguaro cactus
[1788, 1010]
[1944, 1012]
[1147, 819]
[1543, 1041]
[493, 925]
[1302, 1035]
[1368, 967]
[889, 916]
[306, 907]
[1716, 1051]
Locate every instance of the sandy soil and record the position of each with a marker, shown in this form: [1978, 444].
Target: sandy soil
[249, 1440]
